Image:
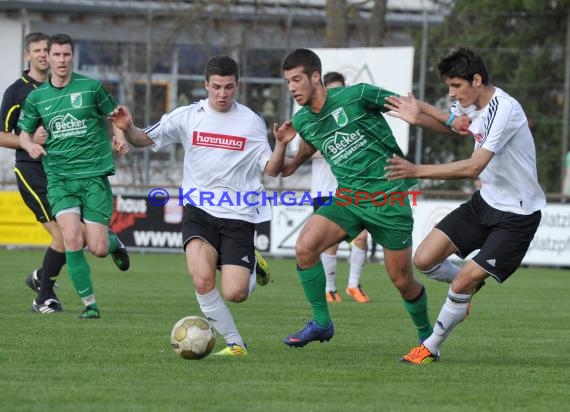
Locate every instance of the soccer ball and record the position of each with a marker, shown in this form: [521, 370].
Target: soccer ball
[193, 337]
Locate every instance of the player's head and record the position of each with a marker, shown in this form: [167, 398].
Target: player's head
[302, 71]
[465, 75]
[333, 79]
[222, 74]
[61, 48]
[464, 64]
[36, 51]
[34, 38]
[61, 39]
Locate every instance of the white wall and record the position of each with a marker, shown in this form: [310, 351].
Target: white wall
[11, 44]
[391, 68]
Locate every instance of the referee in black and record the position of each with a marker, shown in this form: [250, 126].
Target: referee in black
[30, 174]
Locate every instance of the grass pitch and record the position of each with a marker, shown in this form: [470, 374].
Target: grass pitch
[509, 355]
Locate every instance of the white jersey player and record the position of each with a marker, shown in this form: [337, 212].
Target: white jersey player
[502, 217]
[225, 153]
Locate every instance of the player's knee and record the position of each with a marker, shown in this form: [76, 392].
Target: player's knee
[73, 242]
[402, 283]
[422, 262]
[57, 244]
[307, 255]
[236, 296]
[99, 249]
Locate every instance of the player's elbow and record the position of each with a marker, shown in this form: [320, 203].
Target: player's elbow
[475, 170]
[271, 172]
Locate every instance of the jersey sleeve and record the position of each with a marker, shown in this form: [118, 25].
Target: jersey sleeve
[169, 129]
[498, 117]
[105, 102]
[375, 97]
[10, 111]
[29, 116]
[260, 130]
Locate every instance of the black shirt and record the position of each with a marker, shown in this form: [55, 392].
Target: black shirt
[12, 103]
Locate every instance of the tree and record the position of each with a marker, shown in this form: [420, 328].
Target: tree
[337, 24]
[377, 23]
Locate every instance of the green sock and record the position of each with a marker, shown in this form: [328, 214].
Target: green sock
[80, 275]
[417, 308]
[113, 243]
[313, 281]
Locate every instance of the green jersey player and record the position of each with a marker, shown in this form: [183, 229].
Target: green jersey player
[347, 126]
[77, 160]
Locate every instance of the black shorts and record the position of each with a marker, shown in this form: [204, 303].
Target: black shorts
[32, 183]
[502, 237]
[233, 239]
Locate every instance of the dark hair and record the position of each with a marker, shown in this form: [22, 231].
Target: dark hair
[462, 63]
[221, 66]
[332, 77]
[305, 58]
[61, 38]
[33, 38]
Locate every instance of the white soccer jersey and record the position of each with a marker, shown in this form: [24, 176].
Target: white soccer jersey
[224, 157]
[509, 182]
[323, 182]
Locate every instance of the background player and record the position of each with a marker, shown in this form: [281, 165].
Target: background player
[77, 160]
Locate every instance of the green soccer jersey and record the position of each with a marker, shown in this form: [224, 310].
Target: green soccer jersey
[78, 143]
[354, 138]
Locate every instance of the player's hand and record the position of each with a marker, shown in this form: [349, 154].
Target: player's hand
[403, 107]
[35, 150]
[40, 136]
[460, 125]
[121, 118]
[284, 133]
[399, 168]
[120, 144]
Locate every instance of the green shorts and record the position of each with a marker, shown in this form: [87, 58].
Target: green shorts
[92, 195]
[389, 225]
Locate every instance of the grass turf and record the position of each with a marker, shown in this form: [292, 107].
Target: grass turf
[508, 355]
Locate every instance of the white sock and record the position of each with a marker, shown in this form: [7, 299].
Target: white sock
[329, 263]
[217, 312]
[444, 272]
[452, 313]
[357, 260]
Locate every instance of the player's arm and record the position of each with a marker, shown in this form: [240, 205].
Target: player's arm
[9, 140]
[10, 111]
[12, 141]
[423, 114]
[122, 119]
[120, 144]
[34, 150]
[286, 133]
[304, 153]
[468, 168]
[275, 164]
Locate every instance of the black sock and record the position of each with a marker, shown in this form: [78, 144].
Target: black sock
[52, 264]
